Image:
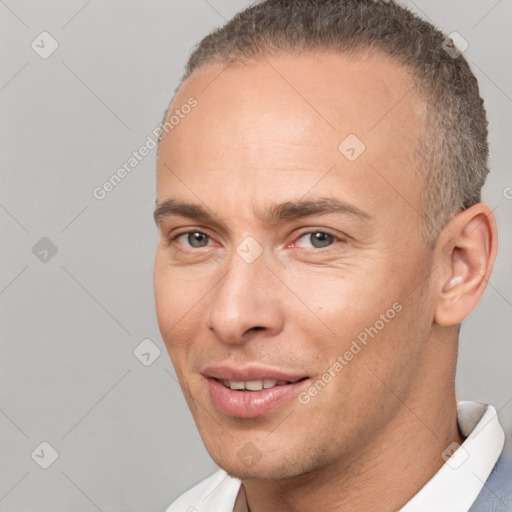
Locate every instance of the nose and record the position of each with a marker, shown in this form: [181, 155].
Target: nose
[244, 301]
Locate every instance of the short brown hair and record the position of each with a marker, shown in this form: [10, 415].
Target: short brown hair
[453, 152]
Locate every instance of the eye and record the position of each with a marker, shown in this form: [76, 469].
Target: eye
[195, 239]
[317, 239]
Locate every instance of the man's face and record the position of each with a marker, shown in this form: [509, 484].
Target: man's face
[242, 295]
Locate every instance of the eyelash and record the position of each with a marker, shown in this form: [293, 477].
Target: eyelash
[336, 238]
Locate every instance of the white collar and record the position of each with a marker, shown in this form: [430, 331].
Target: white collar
[460, 480]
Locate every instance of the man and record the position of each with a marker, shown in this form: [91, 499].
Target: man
[321, 240]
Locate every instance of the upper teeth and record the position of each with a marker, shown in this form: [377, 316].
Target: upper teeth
[253, 385]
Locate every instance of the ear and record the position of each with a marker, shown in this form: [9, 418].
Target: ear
[465, 252]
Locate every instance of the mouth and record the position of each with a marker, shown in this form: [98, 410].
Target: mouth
[253, 391]
[255, 385]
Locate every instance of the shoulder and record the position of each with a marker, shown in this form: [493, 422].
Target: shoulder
[496, 494]
[218, 491]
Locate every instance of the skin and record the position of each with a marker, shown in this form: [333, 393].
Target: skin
[268, 132]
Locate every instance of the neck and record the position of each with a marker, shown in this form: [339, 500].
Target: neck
[383, 474]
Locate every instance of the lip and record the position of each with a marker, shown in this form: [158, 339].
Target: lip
[250, 372]
[251, 404]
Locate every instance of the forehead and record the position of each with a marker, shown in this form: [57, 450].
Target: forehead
[286, 119]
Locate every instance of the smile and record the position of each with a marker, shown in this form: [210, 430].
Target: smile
[254, 385]
[252, 398]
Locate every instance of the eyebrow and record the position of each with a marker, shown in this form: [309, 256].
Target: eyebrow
[286, 210]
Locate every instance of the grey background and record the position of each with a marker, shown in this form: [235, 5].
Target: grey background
[68, 376]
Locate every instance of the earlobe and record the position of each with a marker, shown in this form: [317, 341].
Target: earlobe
[469, 244]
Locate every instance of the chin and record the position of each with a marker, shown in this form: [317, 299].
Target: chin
[259, 473]
[268, 467]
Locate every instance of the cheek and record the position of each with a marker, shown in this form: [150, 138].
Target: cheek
[165, 298]
[366, 360]
[345, 300]
[368, 322]
[178, 290]
[178, 308]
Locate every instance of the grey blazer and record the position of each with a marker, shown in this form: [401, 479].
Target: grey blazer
[496, 495]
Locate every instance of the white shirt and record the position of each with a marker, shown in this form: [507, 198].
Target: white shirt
[454, 487]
